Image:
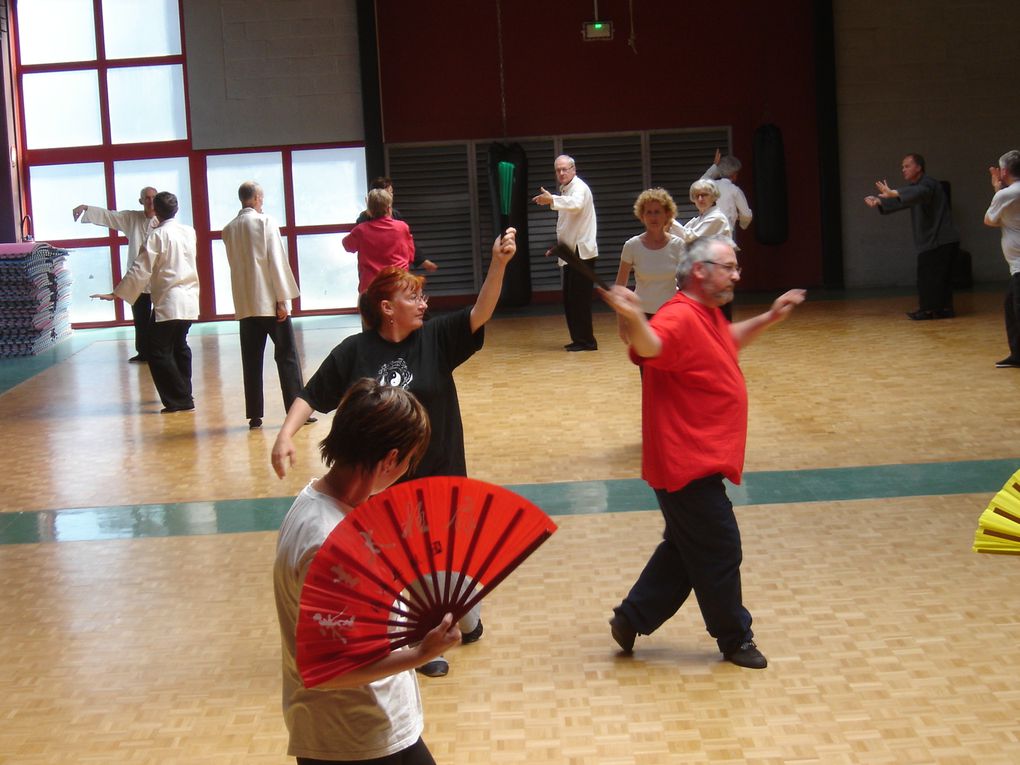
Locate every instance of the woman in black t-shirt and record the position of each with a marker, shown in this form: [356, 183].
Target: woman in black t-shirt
[400, 348]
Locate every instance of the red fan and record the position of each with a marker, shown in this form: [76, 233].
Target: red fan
[390, 571]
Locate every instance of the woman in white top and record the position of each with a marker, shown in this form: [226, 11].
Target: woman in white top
[710, 221]
[373, 712]
[653, 255]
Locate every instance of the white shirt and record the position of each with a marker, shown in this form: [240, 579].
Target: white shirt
[654, 270]
[134, 224]
[362, 723]
[731, 201]
[575, 226]
[167, 264]
[1005, 211]
[260, 275]
[712, 223]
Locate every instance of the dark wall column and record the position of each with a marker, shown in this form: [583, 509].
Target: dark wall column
[368, 53]
[828, 146]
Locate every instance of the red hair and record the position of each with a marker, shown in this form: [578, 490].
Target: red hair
[385, 286]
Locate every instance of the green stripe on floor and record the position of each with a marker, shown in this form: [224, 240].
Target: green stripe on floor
[572, 498]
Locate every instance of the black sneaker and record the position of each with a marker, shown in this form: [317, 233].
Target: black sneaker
[1008, 363]
[254, 423]
[945, 313]
[921, 315]
[623, 633]
[438, 667]
[473, 635]
[747, 656]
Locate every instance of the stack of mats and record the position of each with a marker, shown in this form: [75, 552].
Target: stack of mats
[35, 298]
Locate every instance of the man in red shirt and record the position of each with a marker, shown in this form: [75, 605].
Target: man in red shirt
[694, 428]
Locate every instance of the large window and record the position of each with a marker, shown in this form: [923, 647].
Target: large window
[314, 195]
[102, 89]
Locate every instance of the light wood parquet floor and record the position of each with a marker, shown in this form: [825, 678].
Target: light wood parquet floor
[889, 640]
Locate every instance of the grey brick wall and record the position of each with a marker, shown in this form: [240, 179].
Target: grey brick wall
[272, 72]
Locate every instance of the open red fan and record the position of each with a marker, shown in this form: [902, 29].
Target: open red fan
[400, 561]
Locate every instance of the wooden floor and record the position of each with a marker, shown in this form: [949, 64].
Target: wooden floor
[889, 641]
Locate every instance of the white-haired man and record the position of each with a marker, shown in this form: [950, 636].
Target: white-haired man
[1004, 213]
[694, 429]
[575, 228]
[136, 225]
[732, 202]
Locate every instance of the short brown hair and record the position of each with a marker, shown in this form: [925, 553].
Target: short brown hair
[373, 419]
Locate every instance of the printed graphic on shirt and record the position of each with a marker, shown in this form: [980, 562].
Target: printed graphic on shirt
[394, 374]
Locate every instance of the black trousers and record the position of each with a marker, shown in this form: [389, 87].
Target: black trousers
[577, 295]
[700, 551]
[170, 362]
[1012, 312]
[141, 315]
[416, 754]
[935, 277]
[254, 332]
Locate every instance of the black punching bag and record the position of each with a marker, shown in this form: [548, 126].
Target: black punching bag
[771, 222]
[508, 184]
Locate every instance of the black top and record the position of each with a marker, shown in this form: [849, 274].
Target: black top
[930, 216]
[423, 364]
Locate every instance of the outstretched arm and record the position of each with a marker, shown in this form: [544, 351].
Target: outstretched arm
[631, 314]
[503, 250]
[283, 447]
[744, 332]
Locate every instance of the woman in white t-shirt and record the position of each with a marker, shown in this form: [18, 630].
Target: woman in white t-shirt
[373, 712]
[653, 255]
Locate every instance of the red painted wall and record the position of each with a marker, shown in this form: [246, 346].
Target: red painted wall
[693, 67]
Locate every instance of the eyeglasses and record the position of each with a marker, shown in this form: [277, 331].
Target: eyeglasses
[702, 195]
[731, 268]
[419, 297]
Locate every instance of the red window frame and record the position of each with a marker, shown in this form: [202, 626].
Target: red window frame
[108, 153]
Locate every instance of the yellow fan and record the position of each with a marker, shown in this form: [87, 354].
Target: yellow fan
[999, 525]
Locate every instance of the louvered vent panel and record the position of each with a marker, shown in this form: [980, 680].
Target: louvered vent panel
[679, 159]
[545, 274]
[443, 192]
[432, 190]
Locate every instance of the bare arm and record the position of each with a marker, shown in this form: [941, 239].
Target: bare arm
[630, 311]
[283, 447]
[622, 277]
[744, 332]
[444, 636]
[503, 250]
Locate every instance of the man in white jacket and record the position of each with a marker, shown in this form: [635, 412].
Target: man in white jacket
[136, 225]
[576, 228]
[263, 286]
[167, 264]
